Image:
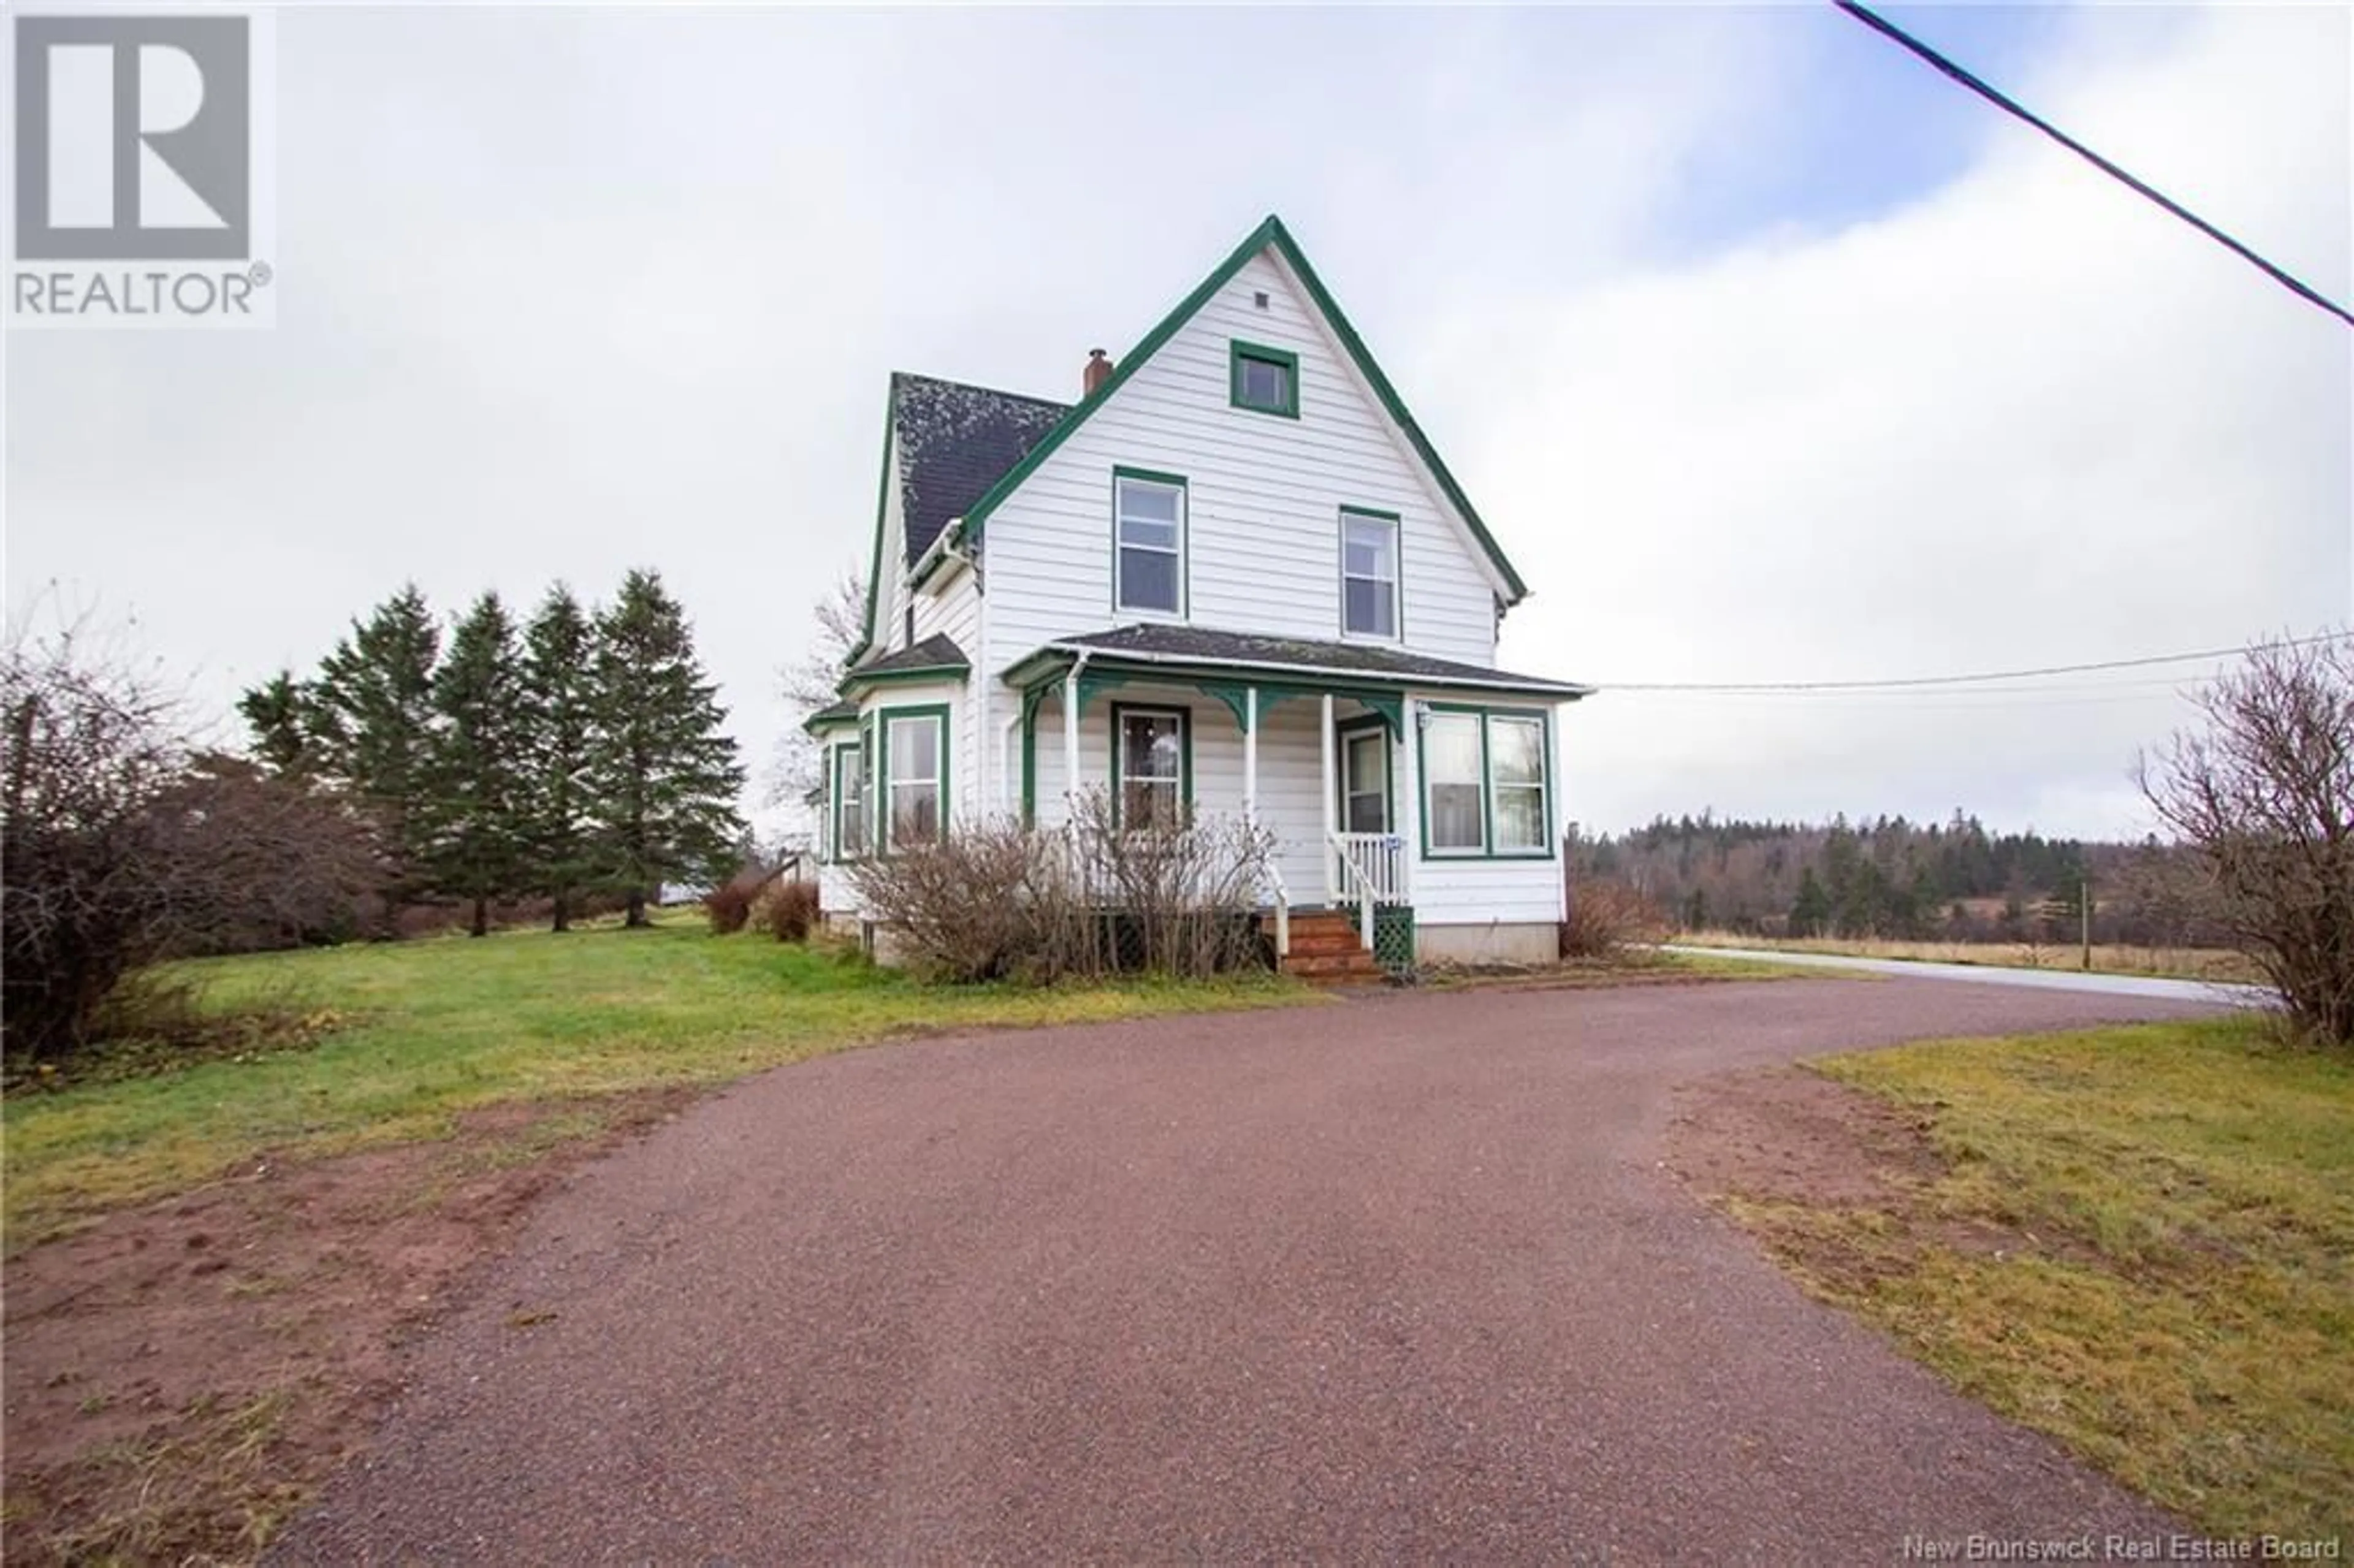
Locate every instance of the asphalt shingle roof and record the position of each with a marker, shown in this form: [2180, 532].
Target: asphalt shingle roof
[955, 441]
[937, 651]
[1182, 642]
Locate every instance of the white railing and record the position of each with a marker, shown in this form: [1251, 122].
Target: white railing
[1281, 896]
[1370, 864]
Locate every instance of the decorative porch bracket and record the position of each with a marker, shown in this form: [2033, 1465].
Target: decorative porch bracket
[1234, 694]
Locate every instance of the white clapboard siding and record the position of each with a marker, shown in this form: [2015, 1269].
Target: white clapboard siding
[1264, 496]
[955, 609]
[891, 592]
[836, 893]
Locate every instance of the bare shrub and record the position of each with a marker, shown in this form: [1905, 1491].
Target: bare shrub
[122, 848]
[1002, 902]
[2263, 793]
[988, 903]
[251, 862]
[730, 908]
[1170, 898]
[788, 911]
[1605, 916]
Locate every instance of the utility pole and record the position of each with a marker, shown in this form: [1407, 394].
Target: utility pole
[2085, 904]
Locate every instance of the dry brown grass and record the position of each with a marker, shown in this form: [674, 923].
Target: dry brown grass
[2113, 958]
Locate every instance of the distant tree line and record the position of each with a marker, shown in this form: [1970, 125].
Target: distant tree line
[1891, 878]
[576, 755]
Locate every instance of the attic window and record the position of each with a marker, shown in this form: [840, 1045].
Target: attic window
[1266, 380]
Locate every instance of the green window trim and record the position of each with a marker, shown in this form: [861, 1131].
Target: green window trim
[1177, 481]
[1542, 718]
[1184, 717]
[880, 804]
[1397, 573]
[1346, 730]
[1239, 353]
[848, 753]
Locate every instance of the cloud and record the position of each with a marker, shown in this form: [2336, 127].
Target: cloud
[565, 291]
[1751, 378]
[2024, 419]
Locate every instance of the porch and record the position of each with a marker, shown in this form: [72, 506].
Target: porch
[1323, 747]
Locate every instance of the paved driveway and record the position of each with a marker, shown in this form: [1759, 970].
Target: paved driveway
[1396, 1279]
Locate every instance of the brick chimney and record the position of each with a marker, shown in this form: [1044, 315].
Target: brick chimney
[1098, 370]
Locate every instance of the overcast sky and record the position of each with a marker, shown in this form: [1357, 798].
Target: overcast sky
[1767, 353]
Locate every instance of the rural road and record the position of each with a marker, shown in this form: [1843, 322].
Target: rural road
[2227, 993]
[1397, 1279]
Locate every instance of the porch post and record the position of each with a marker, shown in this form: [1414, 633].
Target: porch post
[1250, 755]
[1324, 846]
[1406, 822]
[1071, 746]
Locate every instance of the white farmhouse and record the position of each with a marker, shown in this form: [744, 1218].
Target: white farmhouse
[1233, 578]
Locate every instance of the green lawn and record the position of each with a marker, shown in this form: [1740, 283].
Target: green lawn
[2143, 1244]
[433, 1028]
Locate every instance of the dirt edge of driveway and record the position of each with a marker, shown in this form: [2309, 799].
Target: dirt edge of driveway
[182, 1376]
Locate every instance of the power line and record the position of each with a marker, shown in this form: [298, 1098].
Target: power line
[1915, 682]
[2019, 110]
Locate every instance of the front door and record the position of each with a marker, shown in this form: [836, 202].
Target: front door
[1365, 781]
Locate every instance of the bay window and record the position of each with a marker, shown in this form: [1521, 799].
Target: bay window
[1452, 774]
[849, 803]
[915, 801]
[1484, 781]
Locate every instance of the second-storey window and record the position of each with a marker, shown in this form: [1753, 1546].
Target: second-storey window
[912, 747]
[1149, 542]
[1369, 574]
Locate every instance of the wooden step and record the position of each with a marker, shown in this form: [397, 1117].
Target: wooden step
[1334, 969]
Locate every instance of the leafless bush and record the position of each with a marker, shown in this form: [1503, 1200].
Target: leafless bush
[730, 908]
[987, 902]
[1605, 916]
[2265, 793]
[251, 862]
[1173, 898]
[120, 848]
[1004, 902]
[789, 910]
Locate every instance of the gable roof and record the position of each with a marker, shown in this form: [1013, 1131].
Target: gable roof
[955, 441]
[1269, 234]
[972, 428]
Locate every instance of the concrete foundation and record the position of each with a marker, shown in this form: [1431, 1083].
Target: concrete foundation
[1490, 942]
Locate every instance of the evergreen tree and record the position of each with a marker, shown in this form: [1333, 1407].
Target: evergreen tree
[665, 774]
[1813, 908]
[472, 814]
[559, 711]
[374, 722]
[282, 714]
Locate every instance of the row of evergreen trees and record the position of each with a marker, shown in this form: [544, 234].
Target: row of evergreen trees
[1883, 876]
[579, 753]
